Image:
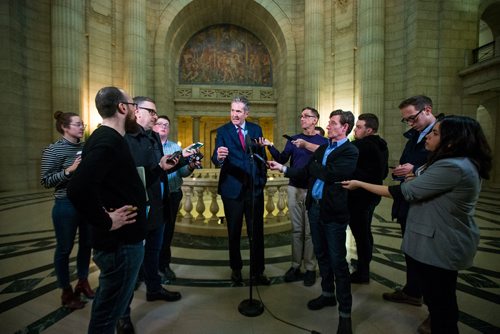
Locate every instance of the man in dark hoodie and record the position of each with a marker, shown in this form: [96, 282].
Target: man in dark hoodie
[371, 167]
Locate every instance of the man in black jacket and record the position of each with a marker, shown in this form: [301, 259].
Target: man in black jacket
[326, 203]
[107, 191]
[146, 150]
[372, 167]
[416, 112]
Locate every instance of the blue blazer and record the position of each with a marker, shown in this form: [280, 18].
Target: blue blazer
[236, 169]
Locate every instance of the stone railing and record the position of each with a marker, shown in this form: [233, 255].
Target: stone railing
[202, 212]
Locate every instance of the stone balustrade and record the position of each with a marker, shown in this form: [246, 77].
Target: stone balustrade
[202, 212]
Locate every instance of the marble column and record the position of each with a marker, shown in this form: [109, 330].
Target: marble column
[313, 53]
[371, 57]
[68, 55]
[196, 129]
[135, 48]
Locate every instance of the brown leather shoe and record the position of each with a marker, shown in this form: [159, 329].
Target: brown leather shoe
[398, 296]
[70, 300]
[83, 286]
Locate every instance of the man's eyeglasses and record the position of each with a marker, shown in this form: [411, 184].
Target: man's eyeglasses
[307, 116]
[152, 112]
[130, 103]
[163, 125]
[79, 125]
[411, 118]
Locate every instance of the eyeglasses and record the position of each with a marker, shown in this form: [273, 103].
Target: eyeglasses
[130, 103]
[152, 112]
[163, 125]
[411, 118]
[307, 116]
[79, 125]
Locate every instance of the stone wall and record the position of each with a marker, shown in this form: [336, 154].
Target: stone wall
[360, 56]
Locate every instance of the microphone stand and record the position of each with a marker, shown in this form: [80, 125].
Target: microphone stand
[251, 307]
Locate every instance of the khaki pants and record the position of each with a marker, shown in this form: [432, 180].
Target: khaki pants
[302, 246]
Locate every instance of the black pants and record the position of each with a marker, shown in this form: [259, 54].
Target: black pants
[234, 210]
[174, 200]
[360, 222]
[439, 287]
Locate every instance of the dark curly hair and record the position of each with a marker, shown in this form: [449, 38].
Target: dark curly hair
[462, 136]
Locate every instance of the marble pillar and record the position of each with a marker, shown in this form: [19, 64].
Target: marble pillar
[371, 57]
[135, 50]
[68, 55]
[313, 53]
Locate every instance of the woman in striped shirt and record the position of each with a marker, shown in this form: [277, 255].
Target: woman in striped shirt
[59, 161]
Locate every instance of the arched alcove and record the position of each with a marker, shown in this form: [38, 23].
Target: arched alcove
[180, 20]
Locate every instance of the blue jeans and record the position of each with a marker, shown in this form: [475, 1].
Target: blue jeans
[119, 271]
[329, 247]
[66, 221]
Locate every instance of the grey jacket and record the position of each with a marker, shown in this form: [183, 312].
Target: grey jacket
[440, 228]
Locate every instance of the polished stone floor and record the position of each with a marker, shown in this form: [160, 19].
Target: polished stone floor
[30, 299]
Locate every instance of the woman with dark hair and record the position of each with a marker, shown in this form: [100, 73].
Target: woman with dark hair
[59, 161]
[441, 235]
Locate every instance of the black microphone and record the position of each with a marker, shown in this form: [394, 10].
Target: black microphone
[248, 144]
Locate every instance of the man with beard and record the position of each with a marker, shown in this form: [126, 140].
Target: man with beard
[108, 192]
[146, 150]
[372, 168]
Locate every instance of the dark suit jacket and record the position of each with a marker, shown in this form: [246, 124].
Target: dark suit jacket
[146, 149]
[340, 166]
[415, 154]
[236, 169]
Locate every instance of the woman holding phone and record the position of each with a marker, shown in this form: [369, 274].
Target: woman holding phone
[59, 161]
[441, 235]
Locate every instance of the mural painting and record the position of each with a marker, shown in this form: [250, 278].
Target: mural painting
[225, 55]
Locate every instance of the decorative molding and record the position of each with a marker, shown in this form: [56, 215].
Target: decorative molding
[208, 93]
[184, 92]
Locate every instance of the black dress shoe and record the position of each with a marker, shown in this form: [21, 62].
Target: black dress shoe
[358, 278]
[163, 294]
[236, 276]
[320, 302]
[310, 278]
[261, 279]
[125, 326]
[345, 326]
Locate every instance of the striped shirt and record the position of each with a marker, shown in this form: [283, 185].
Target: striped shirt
[55, 159]
[175, 178]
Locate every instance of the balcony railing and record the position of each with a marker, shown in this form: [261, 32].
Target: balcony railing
[483, 53]
[202, 212]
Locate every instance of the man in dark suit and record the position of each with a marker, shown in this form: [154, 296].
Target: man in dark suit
[241, 186]
[328, 213]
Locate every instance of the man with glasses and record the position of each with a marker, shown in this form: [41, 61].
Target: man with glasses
[174, 191]
[416, 112]
[326, 204]
[146, 150]
[299, 155]
[108, 192]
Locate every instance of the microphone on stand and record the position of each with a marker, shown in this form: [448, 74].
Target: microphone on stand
[251, 307]
[249, 144]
